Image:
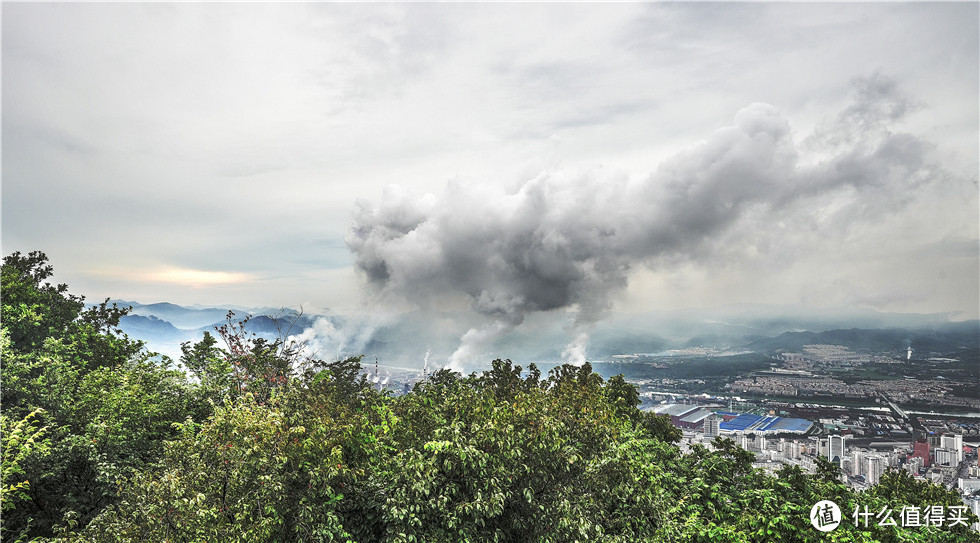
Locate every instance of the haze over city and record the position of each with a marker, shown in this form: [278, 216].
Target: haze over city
[563, 162]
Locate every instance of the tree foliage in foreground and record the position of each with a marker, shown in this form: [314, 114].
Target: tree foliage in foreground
[105, 409]
[101, 444]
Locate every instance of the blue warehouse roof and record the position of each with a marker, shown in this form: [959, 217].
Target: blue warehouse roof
[765, 424]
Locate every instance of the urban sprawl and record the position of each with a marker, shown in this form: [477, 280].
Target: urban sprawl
[800, 409]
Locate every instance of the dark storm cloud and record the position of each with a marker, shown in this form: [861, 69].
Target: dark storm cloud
[564, 240]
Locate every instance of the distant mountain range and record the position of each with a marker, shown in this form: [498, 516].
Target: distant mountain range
[164, 326]
[405, 339]
[957, 336]
[180, 317]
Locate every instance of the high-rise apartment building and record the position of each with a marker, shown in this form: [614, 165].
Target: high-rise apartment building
[858, 465]
[876, 467]
[836, 448]
[953, 442]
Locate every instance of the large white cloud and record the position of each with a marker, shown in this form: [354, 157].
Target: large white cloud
[570, 240]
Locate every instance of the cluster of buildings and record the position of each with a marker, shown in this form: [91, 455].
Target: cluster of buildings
[822, 356]
[796, 418]
[941, 457]
[799, 384]
[772, 384]
[817, 371]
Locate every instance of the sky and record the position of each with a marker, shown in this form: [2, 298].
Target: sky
[505, 159]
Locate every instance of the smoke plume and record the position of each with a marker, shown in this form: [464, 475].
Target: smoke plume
[335, 340]
[566, 241]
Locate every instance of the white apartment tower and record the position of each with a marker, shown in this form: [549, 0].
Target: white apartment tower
[876, 467]
[858, 464]
[953, 442]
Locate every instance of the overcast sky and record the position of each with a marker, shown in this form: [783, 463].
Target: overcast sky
[594, 157]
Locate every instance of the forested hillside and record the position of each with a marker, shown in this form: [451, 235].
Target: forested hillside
[254, 442]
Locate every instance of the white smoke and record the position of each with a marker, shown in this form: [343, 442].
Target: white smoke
[324, 340]
[574, 352]
[474, 343]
